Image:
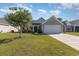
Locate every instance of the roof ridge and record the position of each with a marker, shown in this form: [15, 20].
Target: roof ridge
[54, 18]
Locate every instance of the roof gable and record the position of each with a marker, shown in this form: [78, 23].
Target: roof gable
[40, 20]
[75, 22]
[67, 23]
[53, 21]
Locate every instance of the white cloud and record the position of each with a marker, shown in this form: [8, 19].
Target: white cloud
[67, 5]
[31, 6]
[77, 13]
[7, 11]
[25, 7]
[55, 12]
[59, 7]
[70, 5]
[41, 11]
[77, 8]
[76, 4]
[50, 4]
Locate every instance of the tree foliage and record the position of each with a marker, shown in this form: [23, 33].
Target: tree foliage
[20, 18]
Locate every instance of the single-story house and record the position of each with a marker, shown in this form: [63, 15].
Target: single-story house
[5, 26]
[49, 26]
[75, 25]
[72, 26]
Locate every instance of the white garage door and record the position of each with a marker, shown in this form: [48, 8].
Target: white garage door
[52, 29]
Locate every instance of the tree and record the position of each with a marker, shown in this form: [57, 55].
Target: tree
[19, 18]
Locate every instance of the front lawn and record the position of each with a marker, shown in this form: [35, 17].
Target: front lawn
[73, 33]
[34, 45]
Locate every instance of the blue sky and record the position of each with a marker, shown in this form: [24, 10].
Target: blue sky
[64, 10]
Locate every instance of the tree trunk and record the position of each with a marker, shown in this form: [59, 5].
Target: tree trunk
[20, 32]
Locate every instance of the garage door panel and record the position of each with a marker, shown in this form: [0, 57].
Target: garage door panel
[52, 29]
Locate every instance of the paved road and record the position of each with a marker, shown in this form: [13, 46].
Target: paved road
[70, 40]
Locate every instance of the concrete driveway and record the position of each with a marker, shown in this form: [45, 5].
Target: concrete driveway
[70, 40]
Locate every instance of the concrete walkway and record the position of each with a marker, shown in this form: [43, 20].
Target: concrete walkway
[70, 40]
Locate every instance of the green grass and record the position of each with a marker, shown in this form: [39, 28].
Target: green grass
[73, 33]
[34, 45]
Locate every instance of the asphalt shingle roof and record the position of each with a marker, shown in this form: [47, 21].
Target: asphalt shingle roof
[40, 20]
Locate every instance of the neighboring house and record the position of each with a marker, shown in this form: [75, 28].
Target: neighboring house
[5, 27]
[75, 25]
[67, 26]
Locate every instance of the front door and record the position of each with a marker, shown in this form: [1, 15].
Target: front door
[35, 29]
